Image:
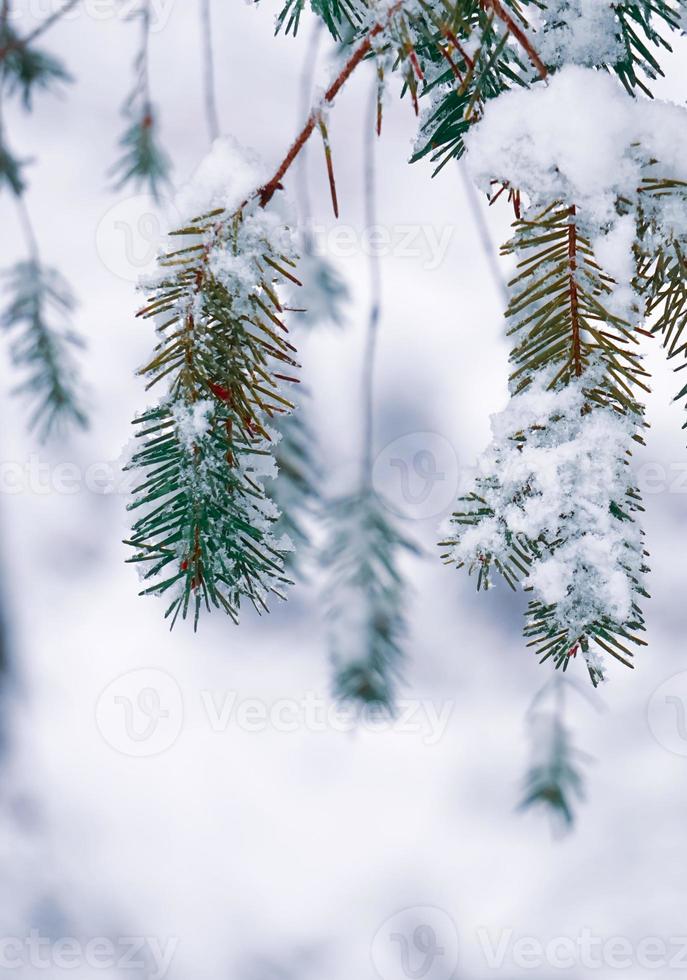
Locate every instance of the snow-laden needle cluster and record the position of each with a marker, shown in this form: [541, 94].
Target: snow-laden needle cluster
[204, 529]
[602, 179]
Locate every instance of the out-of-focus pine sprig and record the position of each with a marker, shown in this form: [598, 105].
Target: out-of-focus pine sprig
[143, 162]
[366, 598]
[39, 303]
[43, 345]
[296, 491]
[554, 780]
[28, 69]
[325, 294]
[11, 175]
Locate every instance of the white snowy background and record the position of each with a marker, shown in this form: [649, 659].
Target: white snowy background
[278, 855]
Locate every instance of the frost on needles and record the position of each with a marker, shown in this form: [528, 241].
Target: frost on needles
[204, 528]
[552, 507]
[598, 249]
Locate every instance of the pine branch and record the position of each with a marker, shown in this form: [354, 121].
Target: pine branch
[143, 161]
[17, 42]
[220, 320]
[460, 83]
[206, 535]
[43, 345]
[429, 44]
[27, 69]
[366, 598]
[296, 490]
[477, 62]
[553, 507]
[209, 71]
[367, 595]
[559, 310]
[555, 779]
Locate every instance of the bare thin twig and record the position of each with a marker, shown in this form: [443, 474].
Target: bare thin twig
[307, 76]
[27, 228]
[268, 190]
[375, 272]
[488, 248]
[209, 71]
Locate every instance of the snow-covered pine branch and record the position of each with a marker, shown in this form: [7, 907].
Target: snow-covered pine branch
[205, 530]
[554, 505]
[553, 508]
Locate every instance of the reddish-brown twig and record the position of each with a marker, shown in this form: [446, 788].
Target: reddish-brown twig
[517, 33]
[330, 165]
[268, 190]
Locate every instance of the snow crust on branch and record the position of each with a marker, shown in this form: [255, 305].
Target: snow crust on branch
[556, 474]
[581, 140]
[578, 139]
[224, 178]
[581, 32]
